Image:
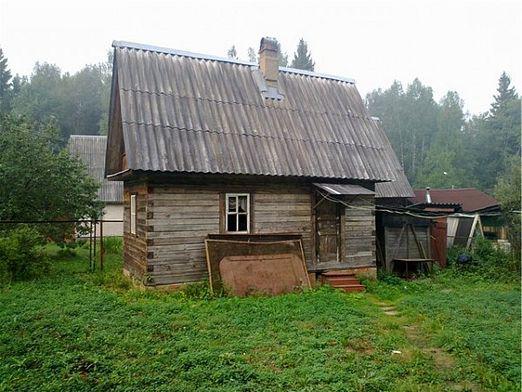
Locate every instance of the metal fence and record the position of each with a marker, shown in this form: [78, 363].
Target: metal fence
[91, 224]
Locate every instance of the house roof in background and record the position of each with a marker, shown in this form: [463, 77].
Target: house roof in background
[471, 199]
[185, 112]
[91, 151]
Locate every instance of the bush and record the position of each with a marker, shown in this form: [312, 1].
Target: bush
[485, 259]
[113, 245]
[22, 255]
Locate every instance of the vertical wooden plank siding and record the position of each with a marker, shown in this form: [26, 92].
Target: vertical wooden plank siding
[359, 233]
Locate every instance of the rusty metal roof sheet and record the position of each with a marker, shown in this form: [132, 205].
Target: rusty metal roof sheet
[185, 112]
[344, 189]
[471, 199]
[91, 151]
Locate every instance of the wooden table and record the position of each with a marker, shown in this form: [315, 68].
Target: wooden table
[427, 263]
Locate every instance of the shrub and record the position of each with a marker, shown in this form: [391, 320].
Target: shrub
[486, 260]
[113, 245]
[22, 255]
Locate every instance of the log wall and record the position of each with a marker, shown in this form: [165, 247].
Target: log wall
[135, 245]
[174, 220]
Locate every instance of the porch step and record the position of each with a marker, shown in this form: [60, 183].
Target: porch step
[340, 280]
[351, 287]
[344, 280]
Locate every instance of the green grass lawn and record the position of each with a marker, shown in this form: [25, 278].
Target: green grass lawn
[74, 331]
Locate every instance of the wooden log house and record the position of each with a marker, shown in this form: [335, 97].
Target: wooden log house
[209, 145]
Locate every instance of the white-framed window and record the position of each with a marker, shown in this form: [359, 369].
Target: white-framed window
[237, 210]
[133, 214]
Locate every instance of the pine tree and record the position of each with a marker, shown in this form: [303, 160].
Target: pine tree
[505, 94]
[232, 52]
[302, 58]
[283, 57]
[252, 56]
[5, 85]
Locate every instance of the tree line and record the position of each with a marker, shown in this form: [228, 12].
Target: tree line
[442, 147]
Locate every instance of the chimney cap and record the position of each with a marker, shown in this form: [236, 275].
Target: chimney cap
[268, 43]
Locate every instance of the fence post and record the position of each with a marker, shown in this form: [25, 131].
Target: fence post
[90, 245]
[102, 248]
[94, 258]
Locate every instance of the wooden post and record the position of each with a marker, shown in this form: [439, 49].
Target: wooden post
[102, 249]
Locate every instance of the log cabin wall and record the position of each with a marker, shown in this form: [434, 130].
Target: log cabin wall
[135, 245]
[181, 216]
[359, 232]
[173, 221]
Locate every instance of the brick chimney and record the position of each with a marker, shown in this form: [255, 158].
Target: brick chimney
[269, 60]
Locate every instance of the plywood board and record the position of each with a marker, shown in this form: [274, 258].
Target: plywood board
[216, 250]
[263, 274]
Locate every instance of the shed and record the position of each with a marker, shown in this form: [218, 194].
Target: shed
[472, 209]
[91, 150]
[215, 146]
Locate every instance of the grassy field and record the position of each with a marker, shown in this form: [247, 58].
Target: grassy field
[75, 331]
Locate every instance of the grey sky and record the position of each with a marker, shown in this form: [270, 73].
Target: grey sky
[449, 45]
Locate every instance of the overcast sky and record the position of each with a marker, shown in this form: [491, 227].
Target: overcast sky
[449, 45]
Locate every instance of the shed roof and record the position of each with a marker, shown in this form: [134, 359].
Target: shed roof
[192, 113]
[344, 189]
[91, 151]
[471, 199]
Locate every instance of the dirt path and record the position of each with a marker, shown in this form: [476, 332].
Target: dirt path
[443, 361]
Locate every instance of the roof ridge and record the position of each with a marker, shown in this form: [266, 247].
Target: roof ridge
[185, 53]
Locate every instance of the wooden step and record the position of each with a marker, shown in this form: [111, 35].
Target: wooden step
[338, 273]
[342, 280]
[351, 287]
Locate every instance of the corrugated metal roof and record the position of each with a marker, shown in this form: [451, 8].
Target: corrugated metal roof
[91, 151]
[471, 199]
[183, 112]
[344, 189]
[400, 187]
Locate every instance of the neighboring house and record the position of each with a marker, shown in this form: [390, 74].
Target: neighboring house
[209, 145]
[470, 210]
[91, 151]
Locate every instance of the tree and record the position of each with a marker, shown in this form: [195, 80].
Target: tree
[302, 58]
[232, 53]
[77, 103]
[40, 182]
[5, 85]
[252, 55]
[505, 94]
[410, 118]
[282, 56]
[507, 192]
[495, 135]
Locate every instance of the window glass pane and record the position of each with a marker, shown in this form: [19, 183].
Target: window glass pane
[242, 222]
[242, 204]
[232, 204]
[231, 222]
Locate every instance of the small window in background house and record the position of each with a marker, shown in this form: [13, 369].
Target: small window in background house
[133, 214]
[238, 212]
